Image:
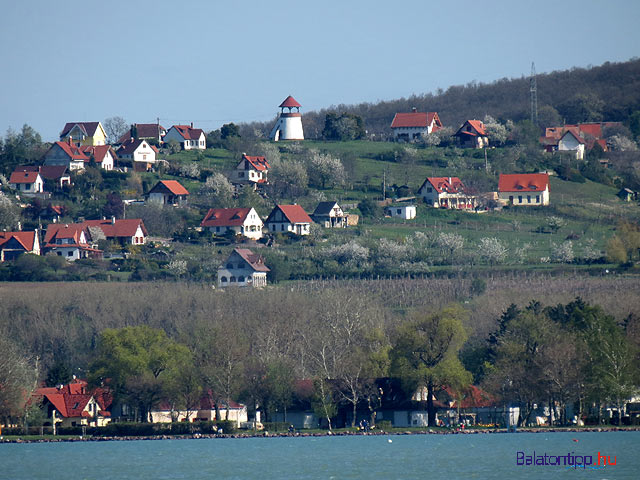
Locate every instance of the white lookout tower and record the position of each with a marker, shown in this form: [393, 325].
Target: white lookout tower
[289, 125]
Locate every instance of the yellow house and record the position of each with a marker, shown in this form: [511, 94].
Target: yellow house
[84, 133]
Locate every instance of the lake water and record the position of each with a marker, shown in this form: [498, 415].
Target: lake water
[355, 457]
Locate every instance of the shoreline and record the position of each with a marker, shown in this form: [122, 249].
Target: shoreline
[197, 436]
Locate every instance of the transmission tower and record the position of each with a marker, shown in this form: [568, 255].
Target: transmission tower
[533, 90]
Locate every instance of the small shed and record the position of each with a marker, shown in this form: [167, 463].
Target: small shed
[406, 212]
[627, 195]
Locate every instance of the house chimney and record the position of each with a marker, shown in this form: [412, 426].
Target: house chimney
[191, 124]
[70, 140]
[19, 226]
[449, 180]
[414, 109]
[113, 220]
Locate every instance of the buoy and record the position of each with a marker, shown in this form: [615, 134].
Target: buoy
[576, 440]
[389, 440]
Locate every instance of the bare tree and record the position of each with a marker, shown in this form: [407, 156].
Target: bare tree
[115, 127]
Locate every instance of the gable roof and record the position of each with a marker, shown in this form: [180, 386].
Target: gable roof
[119, 228]
[72, 151]
[98, 151]
[131, 146]
[25, 239]
[477, 129]
[23, 177]
[523, 182]
[64, 230]
[325, 208]
[255, 261]
[574, 134]
[290, 102]
[188, 132]
[293, 213]
[88, 128]
[144, 130]
[445, 184]
[47, 172]
[225, 217]
[71, 400]
[416, 119]
[171, 186]
[259, 163]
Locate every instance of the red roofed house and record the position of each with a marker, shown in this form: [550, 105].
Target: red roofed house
[243, 268]
[26, 182]
[289, 124]
[75, 404]
[472, 135]
[168, 192]
[84, 133]
[103, 155]
[70, 241]
[14, 244]
[414, 125]
[447, 192]
[140, 153]
[188, 137]
[530, 189]
[130, 231]
[67, 154]
[289, 218]
[56, 174]
[251, 170]
[151, 132]
[241, 221]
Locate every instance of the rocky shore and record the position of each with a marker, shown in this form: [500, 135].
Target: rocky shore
[318, 434]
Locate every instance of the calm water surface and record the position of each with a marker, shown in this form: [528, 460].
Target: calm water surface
[358, 457]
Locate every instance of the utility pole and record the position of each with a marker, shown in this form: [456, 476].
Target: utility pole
[533, 91]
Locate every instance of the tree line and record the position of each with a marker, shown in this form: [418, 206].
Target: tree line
[172, 342]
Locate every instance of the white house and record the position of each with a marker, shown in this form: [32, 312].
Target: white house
[571, 142]
[414, 125]
[66, 153]
[289, 124]
[289, 218]
[242, 221]
[406, 212]
[140, 153]
[69, 241]
[530, 189]
[447, 192]
[188, 137]
[251, 170]
[243, 268]
[168, 192]
[103, 155]
[26, 182]
[330, 215]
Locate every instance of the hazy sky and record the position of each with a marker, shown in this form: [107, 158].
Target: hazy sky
[213, 62]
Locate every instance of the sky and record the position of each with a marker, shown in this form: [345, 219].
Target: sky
[213, 62]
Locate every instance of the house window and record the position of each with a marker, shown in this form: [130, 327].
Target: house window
[510, 198]
[399, 211]
[429, 189]
[528, 198]
[241, 175]
[69, 254]
[537, 198]
[233, 280]
[519, 198]
[223, 279]
[240, 279]
[230, 266]
[59, 254]
[282, 227]
[27, 186]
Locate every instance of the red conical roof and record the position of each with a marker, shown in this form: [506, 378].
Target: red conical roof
[290, 102]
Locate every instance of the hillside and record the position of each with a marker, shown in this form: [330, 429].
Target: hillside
[609, 92]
